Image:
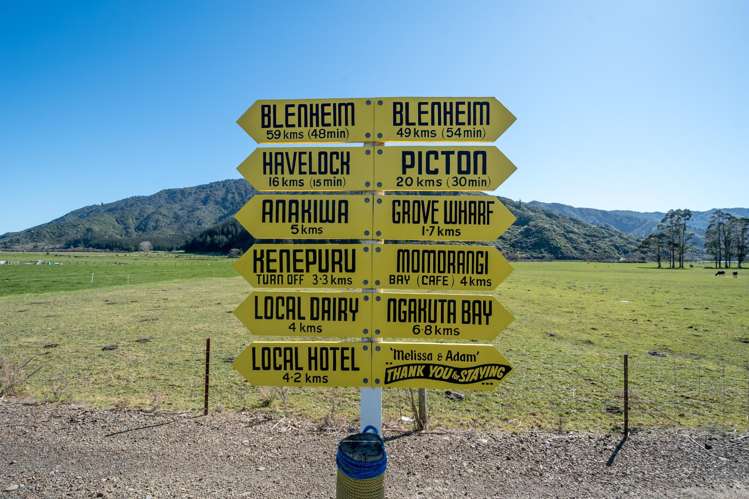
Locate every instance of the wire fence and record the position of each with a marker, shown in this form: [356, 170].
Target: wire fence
[548, 390]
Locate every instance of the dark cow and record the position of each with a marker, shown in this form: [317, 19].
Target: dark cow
[735, 274]
[720, 272]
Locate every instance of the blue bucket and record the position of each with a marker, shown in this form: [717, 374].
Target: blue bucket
[362, 456]
[362, 461]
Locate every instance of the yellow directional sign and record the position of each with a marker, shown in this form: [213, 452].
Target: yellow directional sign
[442, 267]
[442, 119]
[441, 218]
[319, 265]
[439, 316]
[307, 216]
[309, 169]
[304, 313]
[466, 366]
[306, 363]
[309, 120]
[453, 168]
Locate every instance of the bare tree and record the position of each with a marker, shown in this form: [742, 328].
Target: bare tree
[145, 246]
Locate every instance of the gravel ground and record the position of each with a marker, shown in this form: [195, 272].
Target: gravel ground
[64, 450]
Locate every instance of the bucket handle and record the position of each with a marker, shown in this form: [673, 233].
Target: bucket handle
[371, 429]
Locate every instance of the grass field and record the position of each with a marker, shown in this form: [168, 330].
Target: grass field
[687, 333]
[47, 272]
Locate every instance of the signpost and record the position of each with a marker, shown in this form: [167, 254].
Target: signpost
[307, 216]
[438, 316]
[319, 364]
[440, 168]
[342, 168]
[309, 169]
[307, 266]
[440, 119]
[441, 218]
[307, 314]
[466, 366]
[309, 120]
[370, 293]
[445, 267]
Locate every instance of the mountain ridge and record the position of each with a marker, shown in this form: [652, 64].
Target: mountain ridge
[200, 218]
[636, 224]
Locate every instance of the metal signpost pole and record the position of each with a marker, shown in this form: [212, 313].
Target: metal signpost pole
[370, 399]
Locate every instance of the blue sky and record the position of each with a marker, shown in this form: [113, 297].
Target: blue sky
[620, 105]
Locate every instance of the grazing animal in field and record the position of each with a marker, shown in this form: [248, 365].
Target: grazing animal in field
[736, 274]
[720, 272]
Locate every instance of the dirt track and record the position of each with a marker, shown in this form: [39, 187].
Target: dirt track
[58, 450]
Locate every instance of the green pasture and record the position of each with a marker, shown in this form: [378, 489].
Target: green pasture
[687, 333]
[47, 272]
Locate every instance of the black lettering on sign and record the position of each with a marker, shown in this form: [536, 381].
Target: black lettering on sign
[443, 162]
[305, 210]
[442, 261]
[441, 113]
[306, 162]
[333, 359]
[446, 373]
[421, 310]
[425, 211]
[334, 308]
[415, 211]
[467, 211]
[307, 115]
[300, 260]
[266, 358]
[315, 308]
[278, 307]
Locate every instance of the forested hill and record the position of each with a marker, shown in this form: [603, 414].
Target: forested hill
[201, 219]
[536, 234]
[167, 219]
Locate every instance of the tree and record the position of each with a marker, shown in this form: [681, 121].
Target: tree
[145, 246]
[712, 243]
[684, 235]
[674, 233]
[718, 239]
[739, 229]
[666, 236]
[728, 242]
[653, 244]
